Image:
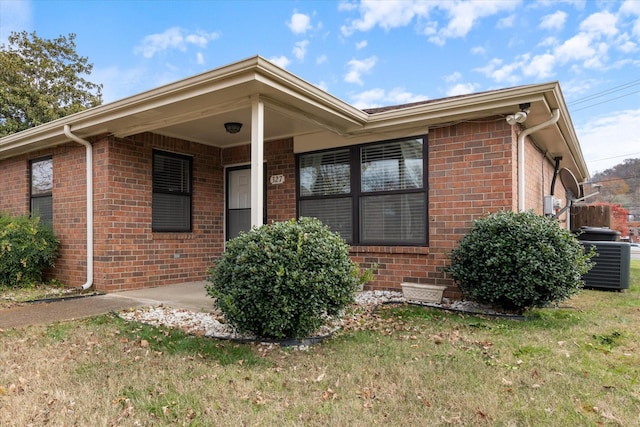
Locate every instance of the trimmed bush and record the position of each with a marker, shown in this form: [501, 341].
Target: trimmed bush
[282, 280]
[27, 249]
[517, 261]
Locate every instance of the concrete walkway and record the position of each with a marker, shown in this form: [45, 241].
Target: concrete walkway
[191, 296]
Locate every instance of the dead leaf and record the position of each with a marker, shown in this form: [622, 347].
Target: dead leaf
[144, 343]
[328, 394]
[507, 382]
[259, 399]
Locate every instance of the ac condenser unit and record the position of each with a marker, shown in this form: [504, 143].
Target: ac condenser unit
[611, 265]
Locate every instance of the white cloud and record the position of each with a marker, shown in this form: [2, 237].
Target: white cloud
[321, 59]
[600, 23]
[323, 85]
[281, 61]
[478, 50]
[554, 21]
[577, 48]
[173, 38]
[464, 15]
[632, 7]
[299, 23]
[507, 22]
[453, 77]
[199, 58]
[540, 66]
[15, 15]
[300, 49]
[501, 73]
[361, 45]
[618, 127]
[356, 68]
[461, 89]
[385, 14]
[378, 97]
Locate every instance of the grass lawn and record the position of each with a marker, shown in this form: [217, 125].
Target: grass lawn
[403, 366]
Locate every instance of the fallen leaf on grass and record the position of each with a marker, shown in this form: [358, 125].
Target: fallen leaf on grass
[329, 394]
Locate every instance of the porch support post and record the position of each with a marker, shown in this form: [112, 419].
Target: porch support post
[257, 161]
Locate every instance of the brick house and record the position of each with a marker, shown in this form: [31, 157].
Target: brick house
[144, 191]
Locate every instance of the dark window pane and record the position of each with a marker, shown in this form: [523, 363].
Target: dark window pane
[43, 207]
[336, 213]
[327, 173]
[171, 174]
[393, 218]
[392, 166]
[41, 187]
[239, 220]
[171, 203]
[171, 212]
[41, 177]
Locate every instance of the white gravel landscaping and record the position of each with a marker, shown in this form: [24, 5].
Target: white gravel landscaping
[213, 324]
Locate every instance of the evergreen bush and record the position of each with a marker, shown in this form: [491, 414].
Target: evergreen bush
[27, 249]
[517, 261]
[282, 280]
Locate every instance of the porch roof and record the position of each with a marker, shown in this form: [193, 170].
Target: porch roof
[197, 107]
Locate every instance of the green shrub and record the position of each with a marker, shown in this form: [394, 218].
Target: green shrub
[27, 248]
[281, 280]
[517, 261]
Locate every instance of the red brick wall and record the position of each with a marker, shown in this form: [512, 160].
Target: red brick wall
[539, 171]
[14, 181]
[69, 203]
[471, 173]
[128, 254]
[471, 169]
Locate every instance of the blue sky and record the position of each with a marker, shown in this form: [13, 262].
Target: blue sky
[373, 53]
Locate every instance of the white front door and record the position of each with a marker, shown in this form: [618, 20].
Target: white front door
[238, 210]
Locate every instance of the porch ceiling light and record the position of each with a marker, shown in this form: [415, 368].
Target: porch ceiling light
[233, 127]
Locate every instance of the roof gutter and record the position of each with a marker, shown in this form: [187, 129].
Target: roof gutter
[89, 162]
[521, 175]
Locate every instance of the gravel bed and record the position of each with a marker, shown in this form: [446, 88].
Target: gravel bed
[213, 324]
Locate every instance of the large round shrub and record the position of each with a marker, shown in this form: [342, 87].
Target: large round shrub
[518, 261]
[282, 280]
[27, 249]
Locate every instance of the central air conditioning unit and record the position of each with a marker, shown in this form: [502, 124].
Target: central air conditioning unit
[611, 268]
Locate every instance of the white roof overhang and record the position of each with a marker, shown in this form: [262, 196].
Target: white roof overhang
[196, 109]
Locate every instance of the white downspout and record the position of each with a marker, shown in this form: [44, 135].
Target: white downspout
[521, 169]
[89, 162]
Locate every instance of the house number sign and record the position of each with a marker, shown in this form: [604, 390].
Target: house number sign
[276, 179]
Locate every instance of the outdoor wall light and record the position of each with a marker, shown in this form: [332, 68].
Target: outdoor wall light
[520, 116]
[233, 127]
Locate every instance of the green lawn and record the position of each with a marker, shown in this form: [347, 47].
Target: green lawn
[574, 365]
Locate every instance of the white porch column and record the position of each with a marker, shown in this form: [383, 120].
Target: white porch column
[257, 161]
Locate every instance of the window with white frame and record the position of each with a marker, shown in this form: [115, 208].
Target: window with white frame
[373, 194]
[41, 189]
[171, 203]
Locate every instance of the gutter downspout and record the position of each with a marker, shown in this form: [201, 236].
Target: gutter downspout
[89, 162]
[521, 178]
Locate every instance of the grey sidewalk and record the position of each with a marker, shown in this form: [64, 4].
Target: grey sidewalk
[191, 296]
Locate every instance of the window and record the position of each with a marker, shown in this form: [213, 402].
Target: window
[370, 194]
[41, 191]
[171, 192]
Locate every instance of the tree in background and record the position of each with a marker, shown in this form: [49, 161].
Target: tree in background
[620, 218]
[42, 80]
